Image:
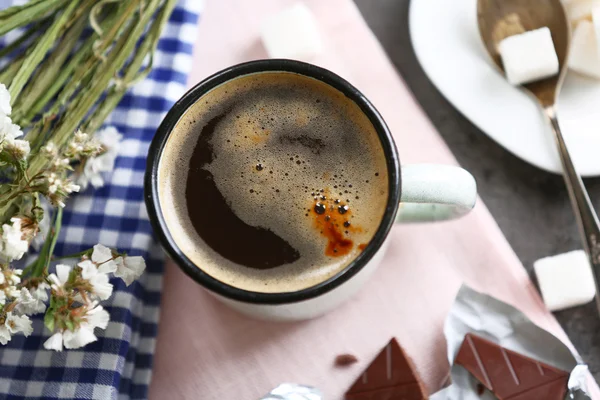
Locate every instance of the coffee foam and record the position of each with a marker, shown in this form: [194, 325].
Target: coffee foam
[284, 137]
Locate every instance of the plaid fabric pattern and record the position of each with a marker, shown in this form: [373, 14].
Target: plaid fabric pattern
[118, 365]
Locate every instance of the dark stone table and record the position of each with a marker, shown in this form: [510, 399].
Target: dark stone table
[531, 206]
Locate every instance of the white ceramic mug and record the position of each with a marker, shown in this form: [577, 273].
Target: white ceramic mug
[417, 193]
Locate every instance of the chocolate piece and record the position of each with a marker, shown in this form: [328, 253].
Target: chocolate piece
[510, 375]
[391, 376]
[343, 360]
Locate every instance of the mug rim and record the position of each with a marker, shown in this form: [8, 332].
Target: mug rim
[158, 221]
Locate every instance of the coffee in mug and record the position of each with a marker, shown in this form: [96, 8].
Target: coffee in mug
[273, 182]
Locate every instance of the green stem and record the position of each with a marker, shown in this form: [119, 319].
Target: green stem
[123, 48]
[92, 64]
[132, 73]
[39, 268]
[39, 51]
[74, 255]
[45, 75]
[8, 73]
[14, 17]
[27, 35]
[66, 73]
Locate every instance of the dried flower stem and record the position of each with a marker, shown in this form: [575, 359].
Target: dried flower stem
[15, 17]
[76, 86]
[33, 59]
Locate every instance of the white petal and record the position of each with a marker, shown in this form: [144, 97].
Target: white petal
[16, 323]
[12, 291]
[62, 272]
[25, 325]
[105, 162]
[82, 180]
[54, 281]
[13, 245]
[4, 335]
[79, 338]
[96, 180]
[107, 267]
[5, 107]
[41, 292]
[109, 137]
[8, 130]
[30, 304]
[101, 253]
[102, 288]
[88, 269]
[130, 269]
[98, 317]
[54, 342]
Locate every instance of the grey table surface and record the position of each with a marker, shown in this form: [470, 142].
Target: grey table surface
[531, 206]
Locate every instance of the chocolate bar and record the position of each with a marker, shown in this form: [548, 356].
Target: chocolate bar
[510, 375]
[391, 376]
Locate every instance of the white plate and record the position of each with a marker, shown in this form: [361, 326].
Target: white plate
[446, 40]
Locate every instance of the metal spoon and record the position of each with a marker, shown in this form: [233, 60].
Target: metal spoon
[501, 18]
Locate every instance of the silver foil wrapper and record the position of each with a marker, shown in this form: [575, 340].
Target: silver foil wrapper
[478, 313]
[292, 391]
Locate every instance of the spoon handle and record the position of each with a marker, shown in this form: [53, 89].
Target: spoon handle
[587, 219]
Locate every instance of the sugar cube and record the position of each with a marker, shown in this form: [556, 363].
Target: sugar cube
[585, 55]
[565, 280]
[578, 10]
[529, 56]
[292, 33]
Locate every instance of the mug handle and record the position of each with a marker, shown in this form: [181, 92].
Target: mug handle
[435, 193]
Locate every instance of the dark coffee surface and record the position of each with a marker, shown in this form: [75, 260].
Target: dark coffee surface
[273, 182]
[217, 224]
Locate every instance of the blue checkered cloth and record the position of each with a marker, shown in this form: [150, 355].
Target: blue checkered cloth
[119, 364]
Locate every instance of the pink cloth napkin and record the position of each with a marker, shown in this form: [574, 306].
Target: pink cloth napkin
[206, 351]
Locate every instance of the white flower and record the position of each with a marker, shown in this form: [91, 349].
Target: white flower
[129, 268]
[70, 187]
[18, 323]
[28, 303]
[61, 163]
[54, 342]
[5, 107]
[12, 245]
[50, 149]
[8, 130]
[94, 167]
[58, 279]
[54, 187]
[81, 136]
[40, 292]
[99, 280]
[109, 137]
[4, 335]
[103, 257]
[2, 297]
[13, 276]
[20, 148]
[14, 324]
[79, 337]
[95, 317]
